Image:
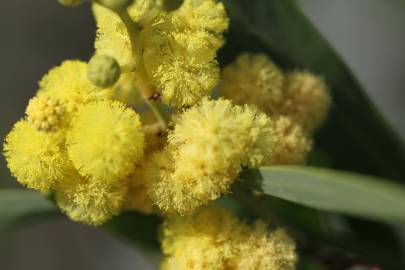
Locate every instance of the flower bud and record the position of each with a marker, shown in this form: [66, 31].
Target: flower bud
[70, 3]
[115, 5]
[103, 71]
[169, 5]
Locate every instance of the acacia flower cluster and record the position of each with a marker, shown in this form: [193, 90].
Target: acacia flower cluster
[89, 139]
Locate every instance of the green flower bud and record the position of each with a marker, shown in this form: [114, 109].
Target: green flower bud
[115, 5]
[169, 5]
[70, 3]
[103, 71]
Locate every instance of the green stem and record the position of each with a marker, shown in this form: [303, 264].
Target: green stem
[148, 93]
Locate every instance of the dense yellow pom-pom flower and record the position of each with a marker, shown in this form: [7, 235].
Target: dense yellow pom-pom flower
[112, 36]
[92, 201]
[264, 250]
[105, 141]
[181, 66]
[197, 15]
[209, 143]
[45, 113]
[306, 100]
[69, 84]
[293, 143]
[253, 79]
[215, 239]
[169, 194]
[35, 158]
[263, 139]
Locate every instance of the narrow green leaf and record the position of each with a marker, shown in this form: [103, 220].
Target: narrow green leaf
[335, 191]
[356, 137]
[20, 207]
[138, 230]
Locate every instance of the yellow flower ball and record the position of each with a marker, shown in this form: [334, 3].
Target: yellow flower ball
[92, 201]
[37, 159]
[264, 250]
[202, 241]
[181, 66]
[196, 15]
[306, 101]
[215, 239]
[206, 149]
[293, 143]
[105, 141]
[262, 139]
[69, 84]
[253, 79]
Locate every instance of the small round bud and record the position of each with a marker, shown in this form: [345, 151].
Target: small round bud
[115, 5]
[103, 71]
[169, 5]
[70, 3]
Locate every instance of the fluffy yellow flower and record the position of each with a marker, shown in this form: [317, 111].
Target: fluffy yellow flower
[37, 159]
[293, 143]
[215, 239]
[89, 201]
[112, 36]
[105, 141]
[45, 113]
[179, 48]
[201, 15]
[69, 83]
[253, 79]
[262, 139]
[264, 250]
[181, 65]
[206, 149]
[306, 100]
[200, 242]
[169, 194]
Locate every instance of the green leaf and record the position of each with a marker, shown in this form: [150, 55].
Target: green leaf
[317, 231]
[19, 207]
[334, 191]
[139, 230]
[355, 137]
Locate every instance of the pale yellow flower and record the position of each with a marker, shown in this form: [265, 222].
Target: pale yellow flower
[215, 239]
[92, 201]
[37, 159]
[253, 79]
[105, 141]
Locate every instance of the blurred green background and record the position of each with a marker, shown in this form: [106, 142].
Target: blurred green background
[36, 35]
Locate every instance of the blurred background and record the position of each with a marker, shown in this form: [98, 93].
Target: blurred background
[36, 35]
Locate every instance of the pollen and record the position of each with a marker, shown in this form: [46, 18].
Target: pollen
[106, 140]
[45, 113]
